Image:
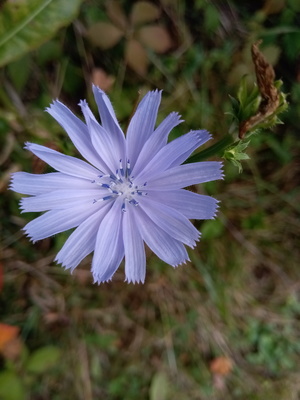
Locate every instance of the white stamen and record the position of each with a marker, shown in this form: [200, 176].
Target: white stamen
[118, 187]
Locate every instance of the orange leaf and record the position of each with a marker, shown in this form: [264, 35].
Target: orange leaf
[7, 333]
[221, 366]
[156, 38]
[143, 11]
[136, 57]
[104, 34]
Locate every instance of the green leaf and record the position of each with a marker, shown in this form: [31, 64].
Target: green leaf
[236, 153]
[11, 387]
[43, 359]
[26, 24]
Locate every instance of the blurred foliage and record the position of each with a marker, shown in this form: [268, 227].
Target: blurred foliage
[226, 326]
[27, 24]
[140, 31]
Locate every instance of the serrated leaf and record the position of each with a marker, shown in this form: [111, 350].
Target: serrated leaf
[26, 24]
[236, 153]
[104, 34]
[143, 12]
[43, 359]
[156, 38]
[136, 57]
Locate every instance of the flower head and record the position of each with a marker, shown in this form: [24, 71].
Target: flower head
[129, 192]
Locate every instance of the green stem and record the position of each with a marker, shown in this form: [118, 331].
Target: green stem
[216, 149]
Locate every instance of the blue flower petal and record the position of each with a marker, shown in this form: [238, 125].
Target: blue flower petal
[76, 130]
[25, 183]
[185, 175]
[192, 205]
[135, 257]
[109, 248]
[163, 245]
[173, 154]
[66, 164]
[109, 120]
[82, 241]
[156, 141]
[171, 221]
[56, 221]
[102, 140]
[142, 125]
[61, 200]
[184, 150]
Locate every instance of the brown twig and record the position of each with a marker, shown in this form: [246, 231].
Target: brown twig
[265, 77]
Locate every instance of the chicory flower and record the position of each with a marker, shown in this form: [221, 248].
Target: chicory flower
[129, 191]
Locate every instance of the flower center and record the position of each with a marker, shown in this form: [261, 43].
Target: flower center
[120, 184]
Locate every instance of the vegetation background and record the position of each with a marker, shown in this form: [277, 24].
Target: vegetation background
[226, 326]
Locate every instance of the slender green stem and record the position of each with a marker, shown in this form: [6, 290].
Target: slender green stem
[216, 149]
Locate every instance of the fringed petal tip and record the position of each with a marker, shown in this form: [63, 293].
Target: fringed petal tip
[11, 183]
[219, 172]
[53, 104]
[214, 210]
[154, 92]
[30, 238]
[176, 115]
[97, 281]
[222, 170]
[135, 281]
[64, 265]
[21, 206]
[96, 88]
[203, 135]
[181, 263]
[83, 103]
[31, 146]
[194, 244]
